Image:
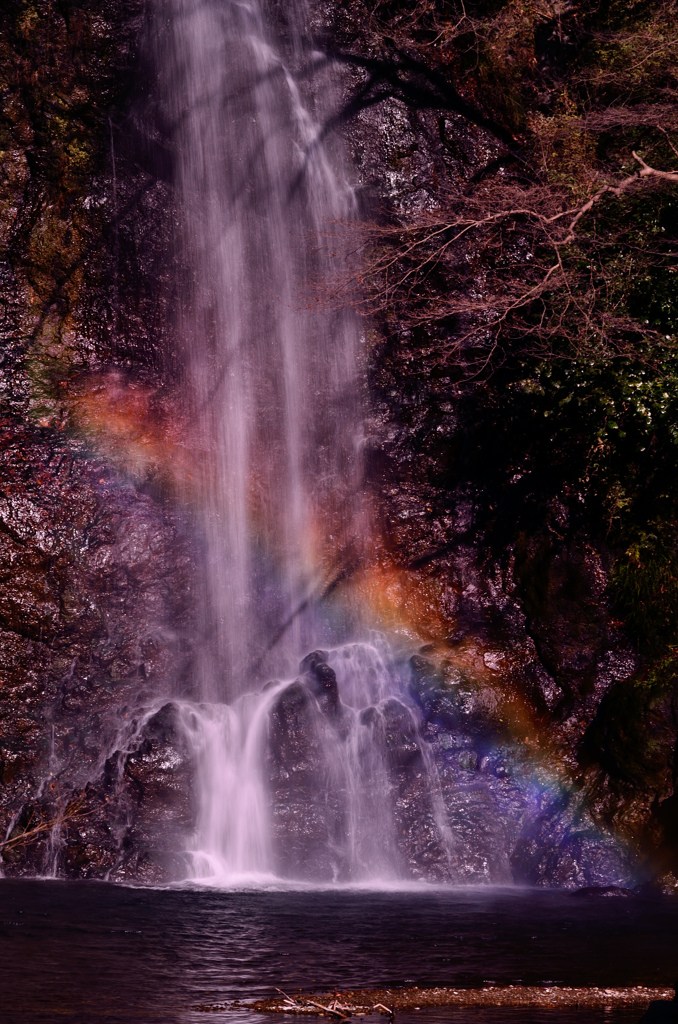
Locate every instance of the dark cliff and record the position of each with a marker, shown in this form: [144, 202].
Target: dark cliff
[97, 570]
[521, 441]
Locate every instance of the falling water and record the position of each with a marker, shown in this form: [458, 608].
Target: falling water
[328, 813]
[274, 378]
[272, 374]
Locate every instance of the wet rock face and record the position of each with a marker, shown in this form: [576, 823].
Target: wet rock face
[156, 801]
[556, 850]
[422, 850]
[99, 618]
[96, 574]
[322, 681]
[83, 224]
[130, 821]
[426, 785]
[563, 588]
[510, 821]
[306, 807]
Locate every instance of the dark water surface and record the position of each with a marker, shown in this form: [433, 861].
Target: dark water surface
[82, 952]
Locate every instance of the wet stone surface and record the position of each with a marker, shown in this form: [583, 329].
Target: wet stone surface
[458, 798]
[96, 616]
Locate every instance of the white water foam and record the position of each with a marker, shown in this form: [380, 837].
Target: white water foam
[234, 843]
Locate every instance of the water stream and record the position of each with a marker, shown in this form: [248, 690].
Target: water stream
[274, 374]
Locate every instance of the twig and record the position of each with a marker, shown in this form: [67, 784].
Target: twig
[73, 810]
[326, 1009]
[289, 998]
[428, 243]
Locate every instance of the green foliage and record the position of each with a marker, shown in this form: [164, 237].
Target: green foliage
[646, 587]
[630, 736]
[611, 445]
[65, 74]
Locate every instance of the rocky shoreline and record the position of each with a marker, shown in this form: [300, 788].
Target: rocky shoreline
[363, 1002]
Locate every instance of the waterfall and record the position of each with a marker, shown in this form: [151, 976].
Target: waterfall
[274, 378]
[272, 375]
[303, 780]
[233, 840]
